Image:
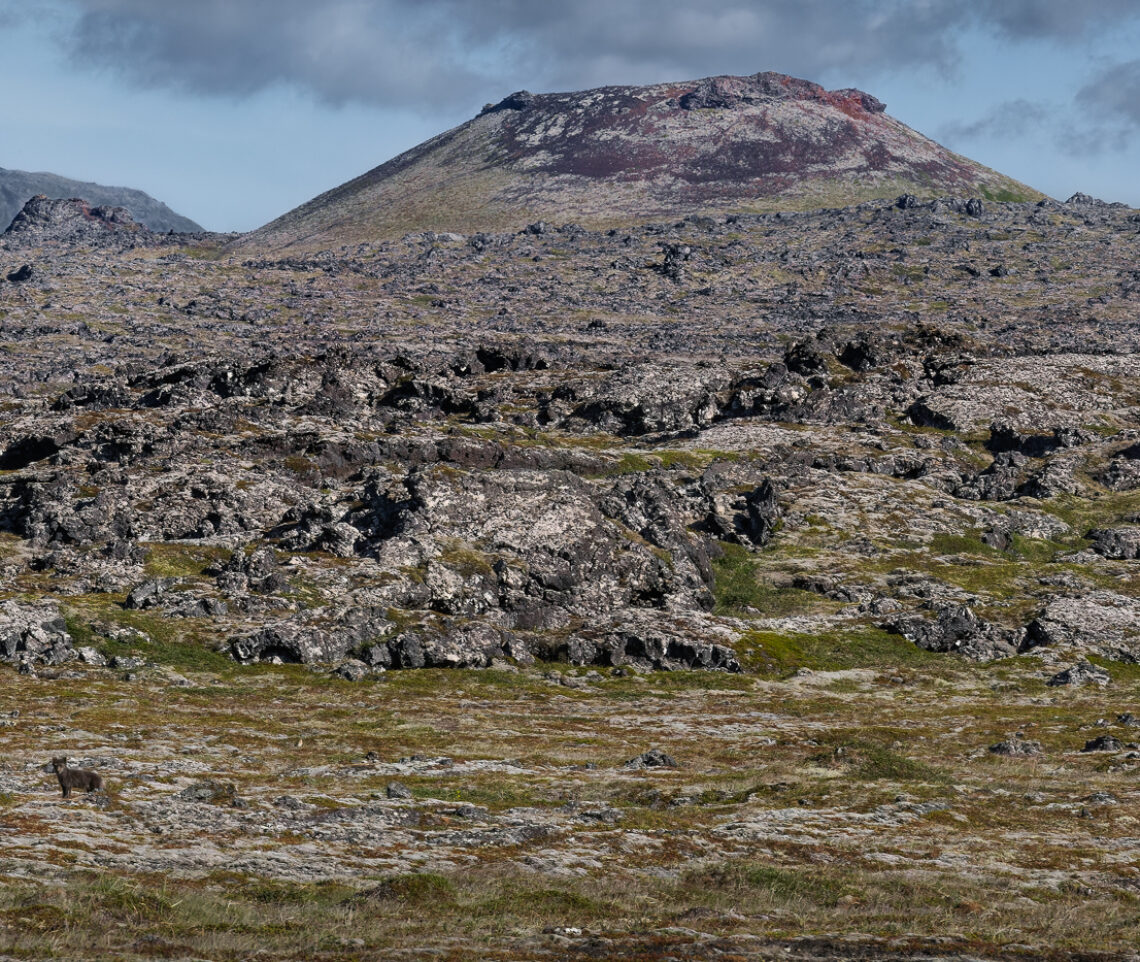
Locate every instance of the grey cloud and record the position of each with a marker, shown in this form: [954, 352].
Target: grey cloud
[432, 53]
[378, 51]
[1114, 95]
[452, 54]
[1107, 112]
[1012, 118]
[14, 13]
[1092, 139]
[1053, 19]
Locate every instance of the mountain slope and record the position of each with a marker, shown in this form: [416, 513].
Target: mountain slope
[616, 154]
[18, 186]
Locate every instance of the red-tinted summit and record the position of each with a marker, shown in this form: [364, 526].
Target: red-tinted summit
[620, 154]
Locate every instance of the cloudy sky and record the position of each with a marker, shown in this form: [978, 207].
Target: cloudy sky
[234, 111]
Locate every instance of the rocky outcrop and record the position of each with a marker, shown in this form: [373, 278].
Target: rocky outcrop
[1100, 622]
[728, 93]
[647, 399]
[533, 547]
[1017, 747]
[16, 186]
[632, 638]
[34, 634]
[68, 221]
[1082, 673]
[636, 638]
[1122, 544]
[957, 629]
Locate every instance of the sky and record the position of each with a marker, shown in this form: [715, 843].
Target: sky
[235, 111]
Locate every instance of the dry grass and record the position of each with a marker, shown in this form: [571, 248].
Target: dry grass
[843, 802]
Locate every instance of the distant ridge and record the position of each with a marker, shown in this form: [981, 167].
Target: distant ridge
[19, 186]
[631, 154]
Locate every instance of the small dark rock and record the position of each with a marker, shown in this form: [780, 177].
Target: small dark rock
[398, 790]
[1082, 673]
[467, 811]
[352, 671]
[654, 758]
[213, 793]
[1016, 747]
[126, 663]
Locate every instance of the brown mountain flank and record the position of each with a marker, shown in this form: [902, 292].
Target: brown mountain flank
[616, 155]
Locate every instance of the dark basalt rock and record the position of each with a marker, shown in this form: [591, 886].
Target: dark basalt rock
[654, 758]
[646, 399]
[440, 644]
[288, 644]
[519, 100]
[1017, 747]
[762, 513]
[957, 629]
[29, 449]
[807, 359]
[726, 93]
[1011, 476]
[1121, 544]
[643, 642]
[1005, 436]
[1103, 743]
[1082, 673]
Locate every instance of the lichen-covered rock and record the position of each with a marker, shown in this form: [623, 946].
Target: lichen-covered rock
[1122, 544]
[641, 639]
[1103, 743]
[1100, 622]
[646, 399]
[286, 643]
[532, 549]
[1082, 673]
[1016, 747]
[654, 758]
[34, 634]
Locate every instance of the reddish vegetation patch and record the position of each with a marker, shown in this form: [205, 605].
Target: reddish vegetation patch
[105, 217]
[719, 134]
